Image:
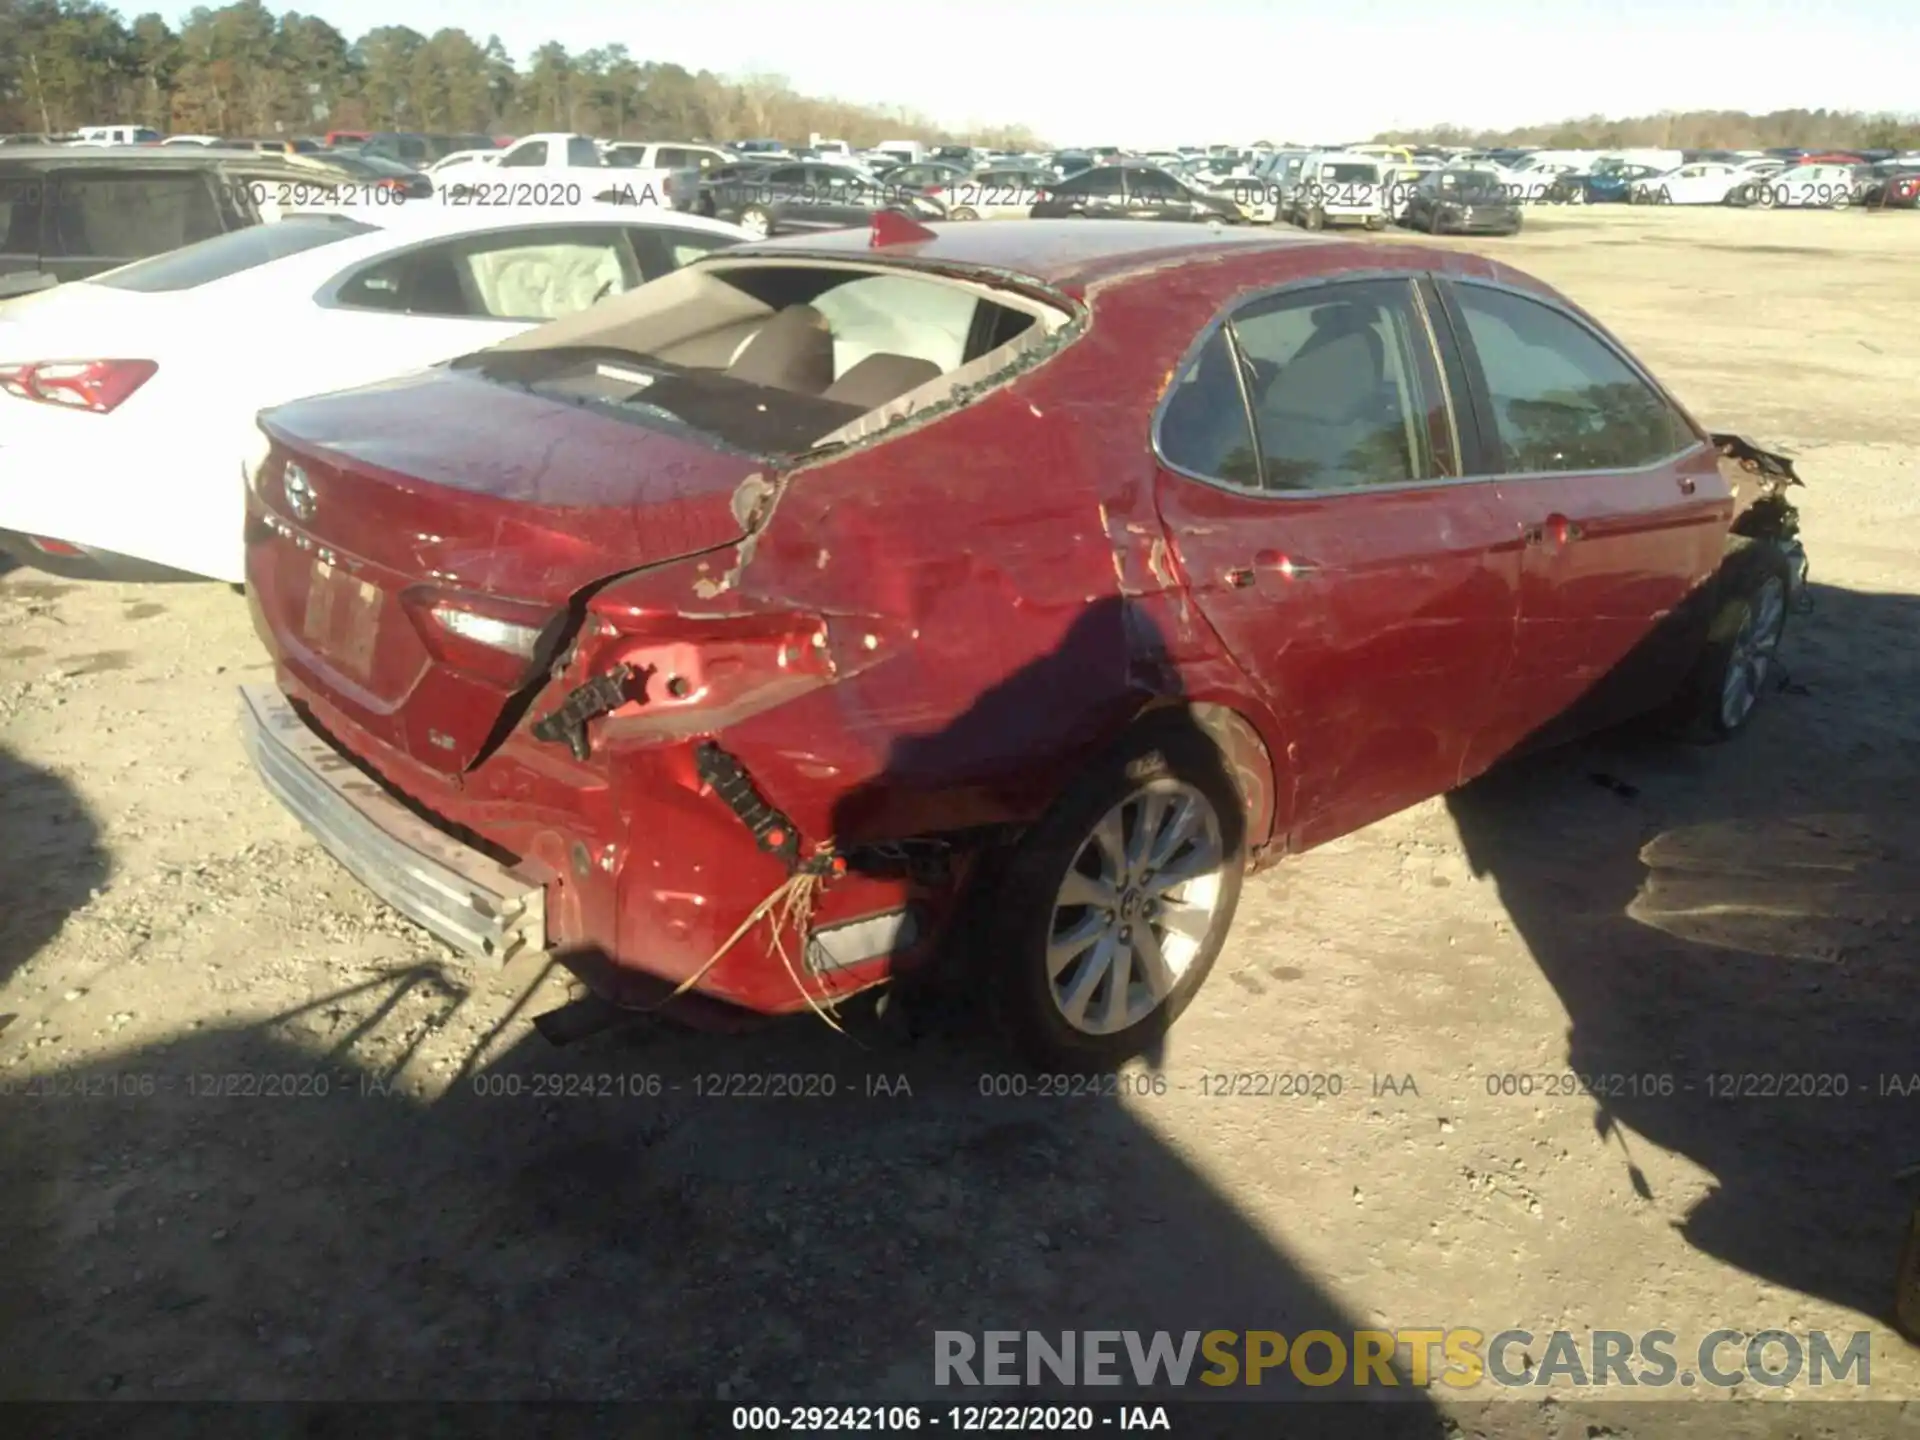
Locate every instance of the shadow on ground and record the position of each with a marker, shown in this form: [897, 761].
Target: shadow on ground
[51, 859]
[275, 1212]
[1733, 933]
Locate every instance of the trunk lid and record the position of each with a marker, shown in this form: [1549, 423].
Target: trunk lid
[413, 545]
[75, 320]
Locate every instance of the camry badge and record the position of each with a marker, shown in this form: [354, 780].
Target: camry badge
[299, 492]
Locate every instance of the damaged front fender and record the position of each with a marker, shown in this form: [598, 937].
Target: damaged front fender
[1759, 480]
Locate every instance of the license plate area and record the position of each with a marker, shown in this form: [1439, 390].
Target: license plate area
[343, 618]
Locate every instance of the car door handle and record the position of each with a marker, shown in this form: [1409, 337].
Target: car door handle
[1243, 577]
[1688, 485]
[1558, 528]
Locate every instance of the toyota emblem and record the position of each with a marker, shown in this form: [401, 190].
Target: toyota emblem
[299, 492]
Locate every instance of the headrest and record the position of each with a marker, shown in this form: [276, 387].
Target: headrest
[881, 377]
[792, 351]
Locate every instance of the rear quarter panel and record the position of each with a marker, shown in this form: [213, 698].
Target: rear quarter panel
[1009, 562]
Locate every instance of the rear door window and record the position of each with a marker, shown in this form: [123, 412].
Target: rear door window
[1204, 429]
[1107, 180]
[530, 275]
[545, 274]
[1153, 186]
[130, 215]
[1343, 388]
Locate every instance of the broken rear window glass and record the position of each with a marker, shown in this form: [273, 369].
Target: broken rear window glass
[773, 358]
[759, 419]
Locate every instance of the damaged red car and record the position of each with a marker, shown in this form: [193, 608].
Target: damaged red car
[750, 637]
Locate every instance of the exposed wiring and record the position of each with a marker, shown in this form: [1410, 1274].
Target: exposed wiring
[790, 904]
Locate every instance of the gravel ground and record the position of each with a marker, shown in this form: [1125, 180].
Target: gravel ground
[1625, 908]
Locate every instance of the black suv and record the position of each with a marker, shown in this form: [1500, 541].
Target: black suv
[70, 211]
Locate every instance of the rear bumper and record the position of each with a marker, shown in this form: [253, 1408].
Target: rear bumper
[475, 904]
[124, 486]
[89, 564]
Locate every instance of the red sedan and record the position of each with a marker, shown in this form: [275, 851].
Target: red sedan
[742, 634]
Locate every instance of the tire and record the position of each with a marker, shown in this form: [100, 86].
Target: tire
[1765, 198]
[1435, 224]
[1715, 703]
[964, 213]
[1161, 762]
[1376, 224]
[1315, 219]
[756, 222]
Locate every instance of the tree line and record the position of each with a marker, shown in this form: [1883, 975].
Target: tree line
[1690, 130]
[241, 71]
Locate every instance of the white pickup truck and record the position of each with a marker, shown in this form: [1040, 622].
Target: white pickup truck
[549, 169]
[675, 169]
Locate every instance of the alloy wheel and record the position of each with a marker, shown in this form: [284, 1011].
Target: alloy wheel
[1754, 646]
[1136, 907]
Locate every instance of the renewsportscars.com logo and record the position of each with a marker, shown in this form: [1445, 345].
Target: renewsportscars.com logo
[1460, 1358]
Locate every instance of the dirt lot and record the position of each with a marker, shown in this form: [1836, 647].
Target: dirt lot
[1627, 908]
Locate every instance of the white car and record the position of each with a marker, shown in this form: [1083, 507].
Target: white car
[545, 169]
[1818, 187]
[1705, 183]
[127, 400]
[1532, 180]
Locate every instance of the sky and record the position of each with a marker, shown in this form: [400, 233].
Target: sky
[1197, 72]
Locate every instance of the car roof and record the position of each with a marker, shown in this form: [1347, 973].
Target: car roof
[425, 218]
[294, 273]
[1065, 254]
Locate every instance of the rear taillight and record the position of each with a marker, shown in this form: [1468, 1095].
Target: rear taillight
[681, 675]
[484, 636]
[96, 385]
[48, 546]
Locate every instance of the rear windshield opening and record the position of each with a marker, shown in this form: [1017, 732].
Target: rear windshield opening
[229, 254]
[777, 359]
[1353, 174]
